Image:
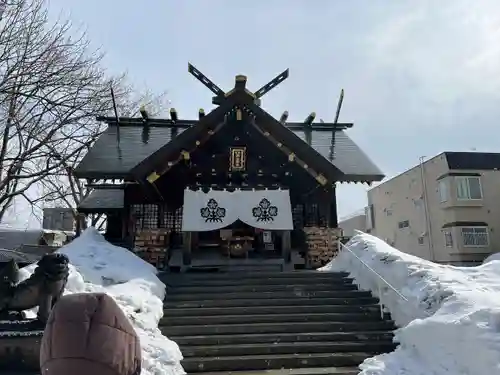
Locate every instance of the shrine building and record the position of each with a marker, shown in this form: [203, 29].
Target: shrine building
[234, 187]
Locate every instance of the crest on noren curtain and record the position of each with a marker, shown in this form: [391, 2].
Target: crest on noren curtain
[212, 212]
[265, 211]
[237, 159]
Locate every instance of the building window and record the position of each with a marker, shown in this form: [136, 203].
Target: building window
[403, 224]
[421, 240]
[468, 188]
[448, 238]
[443, 191]
[475, 236]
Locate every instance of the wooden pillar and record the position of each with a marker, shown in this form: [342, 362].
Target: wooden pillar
[78, 224]
[186, 248]
[114, 226]
[333, 220]
[286, 245]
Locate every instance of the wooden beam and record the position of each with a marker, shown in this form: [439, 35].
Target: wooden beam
[182, 155]
[184, 124]
[291, 156]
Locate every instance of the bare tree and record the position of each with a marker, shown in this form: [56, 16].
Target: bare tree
[51, 88]
[64, 188]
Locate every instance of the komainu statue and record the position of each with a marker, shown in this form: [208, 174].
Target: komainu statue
[43, 288]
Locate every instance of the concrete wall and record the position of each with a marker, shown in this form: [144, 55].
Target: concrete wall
[58, 218]
[350, 224]
[408, 212]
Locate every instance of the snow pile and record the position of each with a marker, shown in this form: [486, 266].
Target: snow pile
[98, 266]
[495, 256]
[450, 323]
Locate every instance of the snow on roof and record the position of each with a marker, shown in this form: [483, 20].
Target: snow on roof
[450, 321]
[98, 266]
[11, 238]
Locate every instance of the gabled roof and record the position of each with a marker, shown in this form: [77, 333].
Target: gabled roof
[130, 156]
[109, 159]
[103, 159]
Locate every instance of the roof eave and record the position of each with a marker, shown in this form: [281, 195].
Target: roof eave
[98, 210]
[367, 179]
[100, 175]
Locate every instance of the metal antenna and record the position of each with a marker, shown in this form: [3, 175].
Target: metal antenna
[337, 114]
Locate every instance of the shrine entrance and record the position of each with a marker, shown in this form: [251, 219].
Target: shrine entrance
[222, 225]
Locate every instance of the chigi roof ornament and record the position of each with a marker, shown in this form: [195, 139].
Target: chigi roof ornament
[240, 84]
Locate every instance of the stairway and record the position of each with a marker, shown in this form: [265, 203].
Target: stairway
[308, 321]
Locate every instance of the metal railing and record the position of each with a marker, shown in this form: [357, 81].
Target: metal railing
[380, 280]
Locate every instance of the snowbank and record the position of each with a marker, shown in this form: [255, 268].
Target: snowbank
[98, 266]
[495, 256]
[450, 323]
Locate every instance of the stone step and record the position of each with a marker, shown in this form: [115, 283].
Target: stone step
[258, 288]
[373, 348]
[296, 293]
[293, 371]
[282, 327]
[261, 362]
[272, 338]
[203, 276]
[270, 318]
[251, 268]
[179, 282]
[202, 312]
[361, 301]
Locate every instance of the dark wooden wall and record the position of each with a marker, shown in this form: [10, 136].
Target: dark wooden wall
[208, 167]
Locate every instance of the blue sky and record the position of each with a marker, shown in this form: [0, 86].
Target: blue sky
[418, 78]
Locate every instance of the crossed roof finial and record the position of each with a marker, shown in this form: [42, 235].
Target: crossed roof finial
[240, 82]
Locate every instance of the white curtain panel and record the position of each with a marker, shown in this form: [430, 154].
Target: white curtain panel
[208, 211]
[264, 209]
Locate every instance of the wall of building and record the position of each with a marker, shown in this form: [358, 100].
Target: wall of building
[402, 206]
[58, 218]
[485, 210]
[408, 212]
[349, 225]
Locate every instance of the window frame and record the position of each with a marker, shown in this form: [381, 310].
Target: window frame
[402, 222]
[458, 180]
[486, 233]
[443, 190]
[447, 234]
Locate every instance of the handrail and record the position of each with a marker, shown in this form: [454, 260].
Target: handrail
[380, 277]
[375, 272]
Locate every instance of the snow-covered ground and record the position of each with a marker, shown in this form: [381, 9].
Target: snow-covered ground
[98, 266]
[450, 320]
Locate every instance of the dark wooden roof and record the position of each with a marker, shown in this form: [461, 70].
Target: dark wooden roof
[104, 159]
[102, 200]
[473, 160]
[135, 156]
